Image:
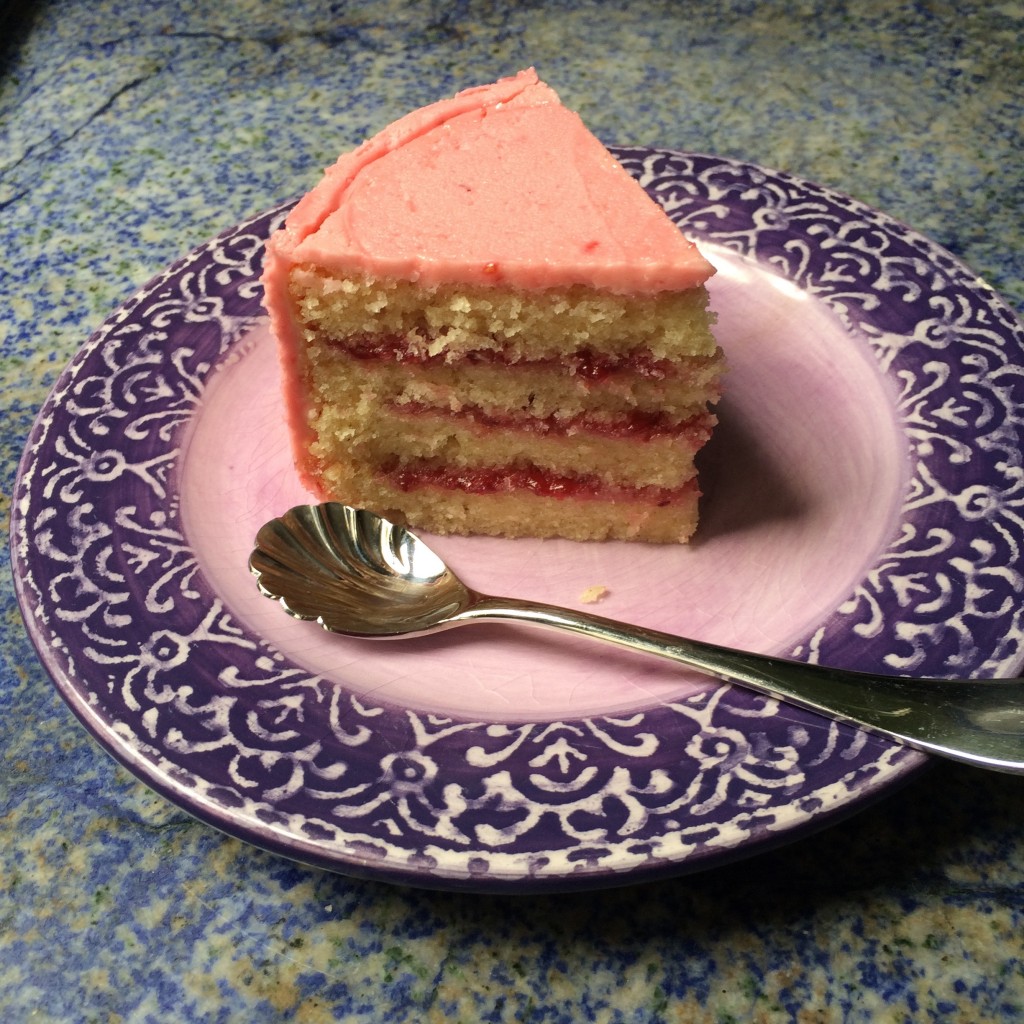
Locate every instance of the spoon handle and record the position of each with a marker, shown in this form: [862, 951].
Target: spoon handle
[978, 722]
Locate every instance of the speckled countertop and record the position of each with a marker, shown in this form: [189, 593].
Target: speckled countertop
[131, 132]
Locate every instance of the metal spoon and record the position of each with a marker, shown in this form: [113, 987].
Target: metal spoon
[358, 574]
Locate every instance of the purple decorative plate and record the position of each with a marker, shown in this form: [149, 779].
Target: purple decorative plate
[863, 508]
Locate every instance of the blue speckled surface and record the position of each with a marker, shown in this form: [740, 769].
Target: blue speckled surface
[129, 133]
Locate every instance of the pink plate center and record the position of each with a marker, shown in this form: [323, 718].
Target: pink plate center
[803, 484]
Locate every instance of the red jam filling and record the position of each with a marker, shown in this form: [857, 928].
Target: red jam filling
[584, 363]
[524, 479]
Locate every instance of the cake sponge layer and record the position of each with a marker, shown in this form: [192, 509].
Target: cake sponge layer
[519, 512]
[662, 458]
[550, 389]
[454, 321]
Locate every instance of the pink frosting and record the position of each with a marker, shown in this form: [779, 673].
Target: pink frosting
[499, 185]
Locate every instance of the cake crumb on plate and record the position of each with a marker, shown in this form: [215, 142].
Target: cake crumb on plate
[594, 594]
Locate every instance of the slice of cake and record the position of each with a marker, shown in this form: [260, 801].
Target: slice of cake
[487, 326]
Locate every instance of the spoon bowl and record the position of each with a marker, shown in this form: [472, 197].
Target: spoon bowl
[361, 575]
[356, 573]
